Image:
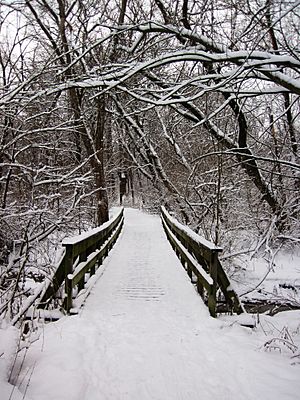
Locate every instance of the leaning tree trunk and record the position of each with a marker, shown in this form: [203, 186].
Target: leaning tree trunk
[102, 197]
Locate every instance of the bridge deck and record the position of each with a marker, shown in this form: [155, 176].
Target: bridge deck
[144, 334]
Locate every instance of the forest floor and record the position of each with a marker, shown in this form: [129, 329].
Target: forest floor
[144, 333]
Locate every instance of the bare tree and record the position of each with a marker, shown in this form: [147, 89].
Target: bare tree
[196, 100]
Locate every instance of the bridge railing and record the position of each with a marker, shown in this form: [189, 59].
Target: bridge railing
[201, 260]
[82, 255]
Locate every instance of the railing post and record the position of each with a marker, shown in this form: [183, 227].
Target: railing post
[93, 270]
[189, 271]
[213, 271]
[68, 282]
[82, 257]
[200, 287]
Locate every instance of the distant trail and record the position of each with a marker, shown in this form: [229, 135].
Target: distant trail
[145, 334]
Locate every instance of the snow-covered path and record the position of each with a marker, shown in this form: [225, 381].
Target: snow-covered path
[144, 334]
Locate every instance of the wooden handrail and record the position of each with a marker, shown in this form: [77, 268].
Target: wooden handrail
[83, 254]
[201, 260]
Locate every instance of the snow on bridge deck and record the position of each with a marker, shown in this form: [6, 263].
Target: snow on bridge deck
[144, 333]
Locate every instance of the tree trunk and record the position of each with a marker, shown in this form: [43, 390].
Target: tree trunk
[102, 197]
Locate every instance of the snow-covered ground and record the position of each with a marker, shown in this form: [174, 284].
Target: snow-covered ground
[144, 334]
[265, 277]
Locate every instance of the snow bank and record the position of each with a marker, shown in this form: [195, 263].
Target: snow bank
[9, 338]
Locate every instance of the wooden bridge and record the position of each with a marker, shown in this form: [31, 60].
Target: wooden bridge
[84, 255]
[144, 333]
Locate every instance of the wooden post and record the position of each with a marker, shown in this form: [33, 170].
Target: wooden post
[212, 301]
[200, 287]
[213, 271]
[93, 270]
[189, 271]
[183, 261]
[81, 284]
[68, 282]
[82, 257]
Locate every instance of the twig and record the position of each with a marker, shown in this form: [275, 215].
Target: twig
[28, 383]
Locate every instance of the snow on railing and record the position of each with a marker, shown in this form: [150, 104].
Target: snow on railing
[200, 258]
[89, 249]
[82, 254]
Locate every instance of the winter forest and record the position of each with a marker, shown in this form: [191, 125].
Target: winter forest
[188, 104]
[192, 104]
